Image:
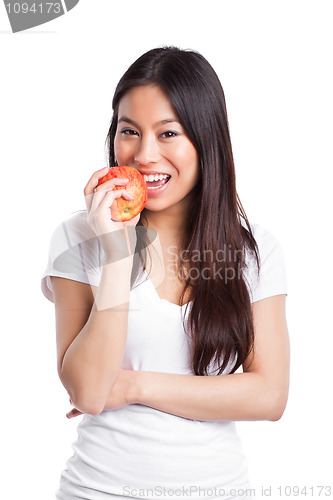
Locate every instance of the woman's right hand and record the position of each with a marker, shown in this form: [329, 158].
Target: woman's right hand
[112, 234]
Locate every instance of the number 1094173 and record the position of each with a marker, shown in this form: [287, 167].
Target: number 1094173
[35, 8]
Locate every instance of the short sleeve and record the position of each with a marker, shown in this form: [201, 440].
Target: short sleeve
[74, 253]
[272, 279]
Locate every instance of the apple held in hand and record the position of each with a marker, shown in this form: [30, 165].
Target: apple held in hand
[136, 186]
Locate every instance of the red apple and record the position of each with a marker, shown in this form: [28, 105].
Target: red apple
[136, 186]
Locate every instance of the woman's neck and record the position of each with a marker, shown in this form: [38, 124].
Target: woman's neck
[169, 225]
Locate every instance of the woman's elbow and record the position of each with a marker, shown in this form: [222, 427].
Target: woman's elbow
[277, 405]
[87, 404]
[85, 399]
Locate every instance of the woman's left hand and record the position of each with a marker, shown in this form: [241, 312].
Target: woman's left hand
[74, 412]
[122, 393]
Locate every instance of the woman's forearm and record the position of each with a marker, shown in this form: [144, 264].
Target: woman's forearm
[240, 396]
[92, 362]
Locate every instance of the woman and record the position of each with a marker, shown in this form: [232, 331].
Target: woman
[149, 344]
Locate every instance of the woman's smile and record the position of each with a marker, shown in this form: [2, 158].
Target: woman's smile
[156, 182]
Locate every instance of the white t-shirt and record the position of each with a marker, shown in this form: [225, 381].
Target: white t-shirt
[138, 451]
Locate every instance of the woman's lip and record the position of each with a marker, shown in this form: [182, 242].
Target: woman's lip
[158, 190]
[151, 172]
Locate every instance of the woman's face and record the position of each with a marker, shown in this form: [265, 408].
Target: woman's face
[150, 138]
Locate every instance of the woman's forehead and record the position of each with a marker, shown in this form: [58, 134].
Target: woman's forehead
[146, 102]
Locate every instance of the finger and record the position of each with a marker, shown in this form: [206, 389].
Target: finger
[103, 209]
[76, 412]
[110, 184]
[108, 203]
[110, 197]
[105, 188]
[93, 181]
[73, 413]
[91, 184]
[104, 199]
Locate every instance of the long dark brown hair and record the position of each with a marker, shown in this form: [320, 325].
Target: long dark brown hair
[220, 322]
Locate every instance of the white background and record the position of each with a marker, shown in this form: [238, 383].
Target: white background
[274, 60]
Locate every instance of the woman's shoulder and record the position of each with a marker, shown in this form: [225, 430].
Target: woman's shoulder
[272, 278]
[75, 227]
[74, 253]
[74, 234]
[268, 244]
[264, 237]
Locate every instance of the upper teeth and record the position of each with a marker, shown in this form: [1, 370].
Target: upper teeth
[156, 177]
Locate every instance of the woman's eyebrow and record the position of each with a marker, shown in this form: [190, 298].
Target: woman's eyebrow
[128, 120]
[167, 120]
[161, 122]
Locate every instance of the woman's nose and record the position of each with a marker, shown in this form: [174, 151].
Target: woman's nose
[147, 152]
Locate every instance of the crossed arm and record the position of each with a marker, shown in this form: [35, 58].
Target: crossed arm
[260, 392]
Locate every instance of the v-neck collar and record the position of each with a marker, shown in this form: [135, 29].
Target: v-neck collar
[157, 297]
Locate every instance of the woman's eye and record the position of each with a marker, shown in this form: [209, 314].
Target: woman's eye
[128, 131]
[168, 134]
